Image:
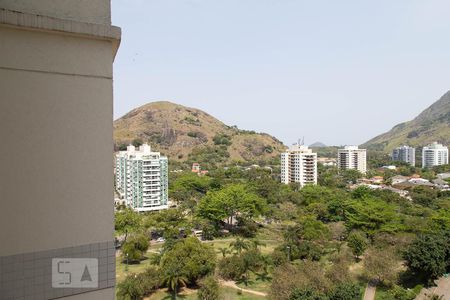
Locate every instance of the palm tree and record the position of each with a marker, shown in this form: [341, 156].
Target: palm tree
[239, 244]
[291, 235]
[174, 279]
[266, 260]
[224, 251]
[264, 276]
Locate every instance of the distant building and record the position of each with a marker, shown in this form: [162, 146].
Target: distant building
[389, 167]
[434, 155]
[443, 175]
[326, 161]
[142, 178]
[399, 179]
[196, 168]
[441, 184]
[299, 164]
[351, 157]
[405, 154]
[377, 179]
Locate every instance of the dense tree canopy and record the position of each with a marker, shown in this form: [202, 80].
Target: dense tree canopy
[230, 202]
[429, 255]
[191, 258]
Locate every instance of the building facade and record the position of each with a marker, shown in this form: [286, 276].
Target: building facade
[352, 158]
[142, 178]
[405, 154]
[299, 164]
[56, 84]
[434, 154]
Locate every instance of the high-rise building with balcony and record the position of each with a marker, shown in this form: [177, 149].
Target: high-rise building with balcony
[299, 164]
[352, 158]
[405, 154]
[142, 178]
[434, 154]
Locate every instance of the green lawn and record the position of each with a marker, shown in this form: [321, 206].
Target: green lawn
[380, 293]
[269, 238]
[256, 284]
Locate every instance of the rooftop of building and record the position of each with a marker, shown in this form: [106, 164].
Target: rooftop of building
[435, 145]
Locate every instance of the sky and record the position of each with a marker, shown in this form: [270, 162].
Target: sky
[338, 72]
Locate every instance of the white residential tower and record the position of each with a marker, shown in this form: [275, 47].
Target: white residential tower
[351, 157]
[142, 178]
[405, 154]
[299, 164]
[434, 154]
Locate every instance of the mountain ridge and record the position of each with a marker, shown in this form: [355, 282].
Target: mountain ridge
[182, 132]
[432, 124]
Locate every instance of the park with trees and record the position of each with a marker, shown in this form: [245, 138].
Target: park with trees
[239, 230]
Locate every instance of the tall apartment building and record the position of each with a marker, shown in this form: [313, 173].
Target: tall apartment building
[56, 86]
[142, 178]
[434, 154]
[351, 157]
[299, 164]
[405, 154]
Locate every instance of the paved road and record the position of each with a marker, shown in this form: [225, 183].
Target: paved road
[369, 293]
[233, 285]
[442, 288]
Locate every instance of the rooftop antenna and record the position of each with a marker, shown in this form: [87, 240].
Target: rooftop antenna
[301, 141]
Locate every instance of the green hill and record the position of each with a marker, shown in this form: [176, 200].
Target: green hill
[189, 134]
[433, 124]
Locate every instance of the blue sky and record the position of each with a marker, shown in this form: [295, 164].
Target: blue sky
[339, 72]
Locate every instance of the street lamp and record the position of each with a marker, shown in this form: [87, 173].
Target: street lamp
[126, 266]
[289, 252]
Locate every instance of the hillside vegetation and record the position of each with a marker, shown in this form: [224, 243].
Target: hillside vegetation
[189, 134]
[433, 124]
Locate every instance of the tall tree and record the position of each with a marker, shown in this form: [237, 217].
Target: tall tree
[239, 245]
[357, 242]
[127, 221]
[429, 255]
[174, 278]
[229, 202]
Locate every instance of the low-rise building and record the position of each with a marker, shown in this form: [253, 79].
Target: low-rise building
[443, 175]
[399, 179]
[196, 168]
[377, 180]
[393, 168]
[441, 184]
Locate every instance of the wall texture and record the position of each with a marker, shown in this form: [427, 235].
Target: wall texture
[90, 11]
[56, 107]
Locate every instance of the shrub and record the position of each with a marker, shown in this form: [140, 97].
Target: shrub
[345, 291]
[232, 267]
[137, 142]
[209, 289]
[222, 139]
[357, 242]
[132, 287]
[135, 247]
[307, 294]
[192, 134]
